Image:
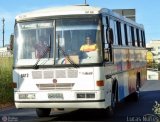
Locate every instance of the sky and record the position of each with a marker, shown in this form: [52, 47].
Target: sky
[147, 12]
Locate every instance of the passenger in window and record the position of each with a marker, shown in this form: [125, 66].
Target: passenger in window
[42, 49]
[89, 46]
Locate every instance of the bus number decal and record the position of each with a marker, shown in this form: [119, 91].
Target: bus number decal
[89, 12]
[24, 75]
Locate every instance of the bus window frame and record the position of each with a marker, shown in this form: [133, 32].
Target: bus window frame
[126, 34]
[107, 51]
[119, 33]
[138, 37]
[132, 36]
[123, 34]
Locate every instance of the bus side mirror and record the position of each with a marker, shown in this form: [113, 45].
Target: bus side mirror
[11, 41]
[110, 36]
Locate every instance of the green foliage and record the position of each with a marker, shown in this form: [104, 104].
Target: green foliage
[154, 66]
[6, 90]
[158, 66]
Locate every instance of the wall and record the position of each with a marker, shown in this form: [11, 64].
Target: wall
[153, 74]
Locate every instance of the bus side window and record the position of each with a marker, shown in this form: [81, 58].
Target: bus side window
[138, 40]
[105, 28]
[109, 41]
[114, 29]
[126, 35]
[143, 39]
[133, 37]
[119, 36]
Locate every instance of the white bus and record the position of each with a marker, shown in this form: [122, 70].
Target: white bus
[58, 75]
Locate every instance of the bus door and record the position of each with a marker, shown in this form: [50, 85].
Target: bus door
[107, 57]
[108, 40]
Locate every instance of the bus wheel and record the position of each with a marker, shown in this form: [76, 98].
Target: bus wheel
[43, 112]
[114, 99]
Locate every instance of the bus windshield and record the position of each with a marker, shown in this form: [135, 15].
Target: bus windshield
[58, 42]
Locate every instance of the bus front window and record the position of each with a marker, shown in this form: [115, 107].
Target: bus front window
[36, 40]
[33, 40]
[71, 40]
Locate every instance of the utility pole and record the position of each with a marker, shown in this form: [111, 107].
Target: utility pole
[3, 30]
[85, 2]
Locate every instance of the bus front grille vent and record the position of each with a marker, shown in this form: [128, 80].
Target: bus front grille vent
[72, 73]
[57, 86]
[37, 74]
[48, 74]
[55, 74]
[60, 74]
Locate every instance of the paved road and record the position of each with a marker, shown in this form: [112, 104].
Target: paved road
[140, 111]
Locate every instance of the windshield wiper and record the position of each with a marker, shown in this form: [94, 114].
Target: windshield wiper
[48, 49]
[66, 55]
[36, 66]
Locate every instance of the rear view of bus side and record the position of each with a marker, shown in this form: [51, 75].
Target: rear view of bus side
[51, 71]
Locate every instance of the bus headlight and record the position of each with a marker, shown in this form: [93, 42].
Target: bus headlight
[27, 96]
[90, 95]
[81, 95]
[86, 95]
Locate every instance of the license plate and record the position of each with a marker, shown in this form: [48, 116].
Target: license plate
[55, 95]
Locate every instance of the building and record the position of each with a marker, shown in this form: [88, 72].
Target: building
[154, 46]
[128, 13]
[5, 51]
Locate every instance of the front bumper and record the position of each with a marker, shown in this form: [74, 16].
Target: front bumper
[61, 104]
[69, 100]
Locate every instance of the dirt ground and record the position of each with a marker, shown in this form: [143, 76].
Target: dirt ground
[6, 105]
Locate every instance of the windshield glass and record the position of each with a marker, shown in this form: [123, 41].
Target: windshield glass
[33, 40]
[76, 40]
[80, 39]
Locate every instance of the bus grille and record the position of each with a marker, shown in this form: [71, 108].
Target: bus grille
[48, 74]
[56, 86]
[60, 74]
[55, 74]
[37, 75]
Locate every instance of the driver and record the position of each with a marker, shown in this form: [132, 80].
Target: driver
[89, 46]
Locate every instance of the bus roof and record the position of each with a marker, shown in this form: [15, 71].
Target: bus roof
[58, 11]
[71, 10]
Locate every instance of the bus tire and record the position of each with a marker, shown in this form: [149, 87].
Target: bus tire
[114, 99]
[43, 112]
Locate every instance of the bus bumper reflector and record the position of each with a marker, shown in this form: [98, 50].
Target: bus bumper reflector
[100, 83]
[86, 95]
